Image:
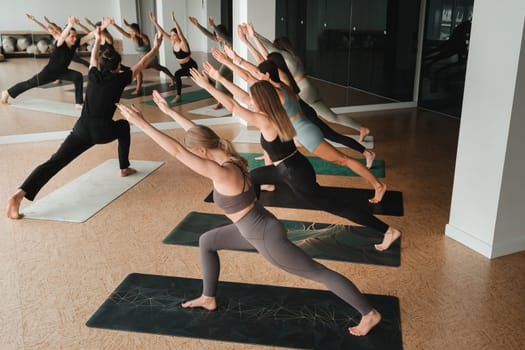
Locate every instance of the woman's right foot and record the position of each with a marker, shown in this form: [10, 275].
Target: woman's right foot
[379, 193]
[13, 208]
[177, 99]
[369, 156]
[127, 172]
[217, 106]
[368, 321]
[363, 132]
[390, 237]
[208, 303]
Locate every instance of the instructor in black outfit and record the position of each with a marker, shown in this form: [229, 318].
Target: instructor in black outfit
[57, 67]
[95, 125]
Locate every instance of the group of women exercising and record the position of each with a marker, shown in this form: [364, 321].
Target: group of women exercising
[283, 105]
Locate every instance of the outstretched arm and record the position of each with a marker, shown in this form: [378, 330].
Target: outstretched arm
[71, 20]
[166, 109]
[263, 51]
[242, 63]
[153, 19]
[204, 167]
[256, 119]
[242, 30]
[228, 62]
[204, 31]
[40, 24]
[184, 46]
[122, 31]
[146, 59]
[105, 23]
[238, 93]
[93, 61]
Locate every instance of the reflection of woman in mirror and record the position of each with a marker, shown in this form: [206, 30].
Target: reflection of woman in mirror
[181, 50]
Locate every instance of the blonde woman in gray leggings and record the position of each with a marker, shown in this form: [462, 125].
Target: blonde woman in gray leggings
[253, 226]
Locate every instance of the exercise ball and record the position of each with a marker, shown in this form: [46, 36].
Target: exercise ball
[22, 43]
[9, 44]
[42, 45]
[32, 49]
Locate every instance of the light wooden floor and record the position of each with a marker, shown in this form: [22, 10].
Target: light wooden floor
[54, 275]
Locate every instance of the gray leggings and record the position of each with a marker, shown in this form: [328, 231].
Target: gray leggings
[310, 95]
[261, 230]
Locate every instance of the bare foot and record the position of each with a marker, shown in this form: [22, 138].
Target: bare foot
[218, 106]
[268, 188]
[5, 97]
[363, 132]
[127, 172]
[58, 81]
[177, 99]
[173, 83]
[203, 301]
[370, 156]
[78, 106]
[380, 192]
[390, 236]
[13, 205]
[368, 321]
[135, 92]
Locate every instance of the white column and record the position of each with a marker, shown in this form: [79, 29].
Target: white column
[489, 191]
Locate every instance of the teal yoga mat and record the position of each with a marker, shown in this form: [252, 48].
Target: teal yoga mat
[247, 313]
[187, 97]
[323, 167]
[319, 240]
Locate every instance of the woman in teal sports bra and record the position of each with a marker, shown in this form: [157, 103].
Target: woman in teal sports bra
[142, 46]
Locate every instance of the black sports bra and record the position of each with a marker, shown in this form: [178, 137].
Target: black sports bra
[181, 54]
[236, 203]
[278, 149]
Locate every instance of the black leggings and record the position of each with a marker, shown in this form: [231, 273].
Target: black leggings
[297, 173]
[184, 71]
[328, 132]
[84, 135]
[44, 77]
[259, 229]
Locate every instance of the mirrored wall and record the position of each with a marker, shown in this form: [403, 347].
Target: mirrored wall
[445, 53]
[368, 46]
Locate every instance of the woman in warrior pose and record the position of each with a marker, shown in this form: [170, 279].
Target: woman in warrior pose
[57, 67]
[223, 37]
[106, 82]
[253, 226]
[142, 46]
[181, 50]
[309, 93]
[289, 166]
[308, 134]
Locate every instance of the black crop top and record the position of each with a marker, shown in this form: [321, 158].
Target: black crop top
[278, 149]
[181, 54]
[236, 203]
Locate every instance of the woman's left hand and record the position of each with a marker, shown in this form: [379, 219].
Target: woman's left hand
[131, 113]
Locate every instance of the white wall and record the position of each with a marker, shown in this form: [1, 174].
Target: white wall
[487, 190]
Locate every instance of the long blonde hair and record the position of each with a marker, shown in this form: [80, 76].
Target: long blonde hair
[268, 101]
[202, 136]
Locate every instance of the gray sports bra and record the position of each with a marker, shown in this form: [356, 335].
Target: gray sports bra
[236, 203]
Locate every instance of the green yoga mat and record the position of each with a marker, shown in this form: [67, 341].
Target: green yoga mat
[323, 167]
[187, 97]
[246, 313]
[323, 241]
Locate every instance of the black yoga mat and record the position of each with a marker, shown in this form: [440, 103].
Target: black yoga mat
[283, 197]
[321, 166]
[322, 241]
[148, 90]
[62, 83]
[247, 313]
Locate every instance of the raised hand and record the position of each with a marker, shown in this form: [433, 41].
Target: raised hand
[97, 32]
[125, 22]
[161, 102]
[31, 17]
[249, 30]
[152, 17]
[132, 114]
[173, 17]
[230, 53]
[211, 71]
[199, 78]
[219, 55]
[157, 40]
[211, 22]
[241, 31]
[193, 20]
